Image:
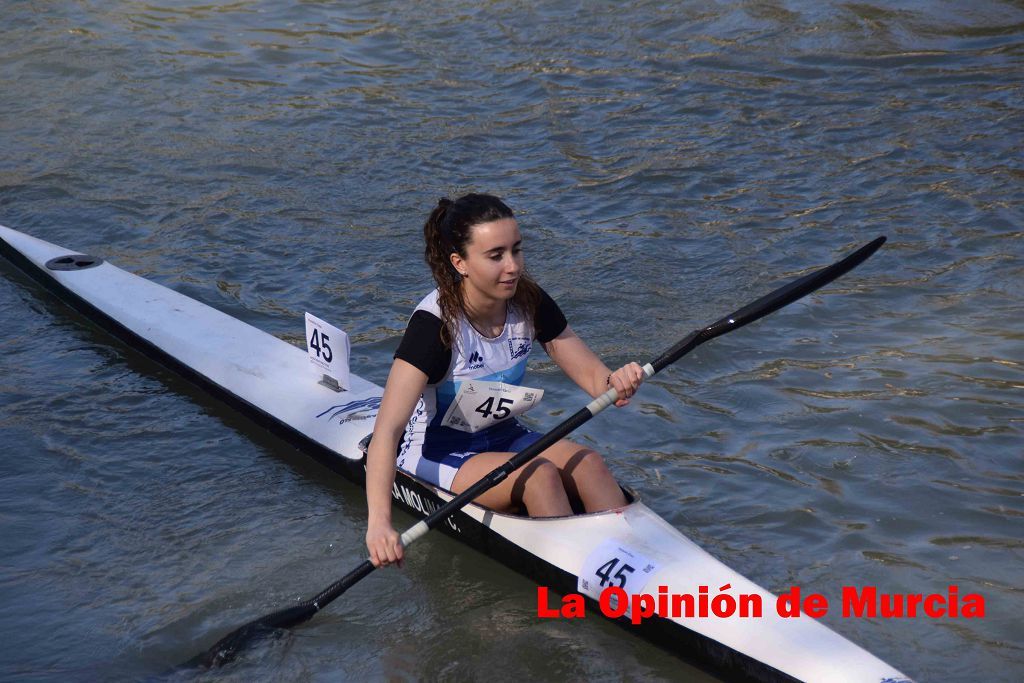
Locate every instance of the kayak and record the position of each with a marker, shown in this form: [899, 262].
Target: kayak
[629, 564]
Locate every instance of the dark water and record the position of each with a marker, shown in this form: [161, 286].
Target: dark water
[669, 162]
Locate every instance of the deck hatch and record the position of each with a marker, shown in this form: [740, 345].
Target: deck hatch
[73, 262]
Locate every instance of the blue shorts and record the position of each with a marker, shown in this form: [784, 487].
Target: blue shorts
[444, 450]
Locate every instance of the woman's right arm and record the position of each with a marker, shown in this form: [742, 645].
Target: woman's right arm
[403, 389]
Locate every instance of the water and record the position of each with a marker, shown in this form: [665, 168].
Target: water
[668, 164]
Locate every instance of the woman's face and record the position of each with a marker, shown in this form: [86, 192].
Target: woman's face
[493, 262]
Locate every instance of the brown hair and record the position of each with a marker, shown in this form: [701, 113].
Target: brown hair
[447, 231]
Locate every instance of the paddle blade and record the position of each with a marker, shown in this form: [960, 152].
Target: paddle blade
[227, 648]
[783, 296]
[787, 294]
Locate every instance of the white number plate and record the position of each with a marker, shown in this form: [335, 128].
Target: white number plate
[480, 405]
[611, 564]
[328, 349]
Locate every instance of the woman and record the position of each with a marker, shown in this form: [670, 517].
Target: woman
[455, 386]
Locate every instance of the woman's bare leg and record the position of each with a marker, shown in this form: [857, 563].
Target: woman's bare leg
[545, 485]
[537, 485]
[585, 476]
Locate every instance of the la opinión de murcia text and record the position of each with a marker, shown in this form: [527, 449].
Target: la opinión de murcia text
[865, 601]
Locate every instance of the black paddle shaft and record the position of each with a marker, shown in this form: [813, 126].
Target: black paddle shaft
[226, 648]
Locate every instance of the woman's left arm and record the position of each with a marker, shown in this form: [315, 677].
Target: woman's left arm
[584, 367]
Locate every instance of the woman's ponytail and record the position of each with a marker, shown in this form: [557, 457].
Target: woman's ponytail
[438, 249]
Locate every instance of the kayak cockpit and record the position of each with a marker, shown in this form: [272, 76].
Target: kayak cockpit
[364, 445]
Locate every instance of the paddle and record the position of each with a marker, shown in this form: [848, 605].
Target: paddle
[226, 648]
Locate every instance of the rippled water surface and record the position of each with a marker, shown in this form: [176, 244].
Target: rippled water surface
[668, 161]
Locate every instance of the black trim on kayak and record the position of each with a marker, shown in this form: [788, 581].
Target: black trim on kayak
[690, 646]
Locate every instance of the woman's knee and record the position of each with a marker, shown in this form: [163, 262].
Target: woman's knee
[589, 482]
[539, 479]
[585, 462]
[541, 473]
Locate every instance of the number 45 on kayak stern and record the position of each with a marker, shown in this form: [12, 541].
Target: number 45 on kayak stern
[612, 564]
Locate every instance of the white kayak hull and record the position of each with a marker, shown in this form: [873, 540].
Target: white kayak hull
[270, 380]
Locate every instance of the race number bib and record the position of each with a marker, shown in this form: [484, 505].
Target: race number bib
[480, 405]
[612, 564]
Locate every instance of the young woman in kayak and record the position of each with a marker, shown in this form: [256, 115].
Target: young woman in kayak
[456, 384]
